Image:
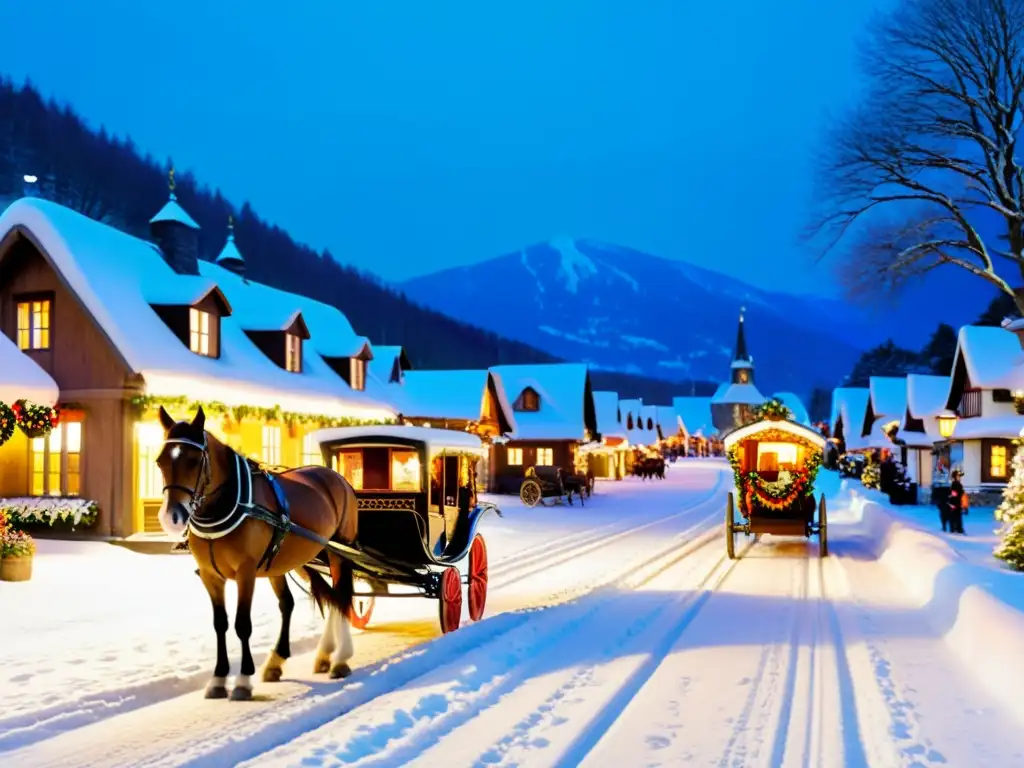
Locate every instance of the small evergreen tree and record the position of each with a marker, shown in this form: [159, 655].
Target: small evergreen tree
[1011, 512]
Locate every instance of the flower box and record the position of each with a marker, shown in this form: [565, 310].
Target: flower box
[50, 510]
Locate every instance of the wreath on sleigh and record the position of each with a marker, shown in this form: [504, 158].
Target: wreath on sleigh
[35, 420]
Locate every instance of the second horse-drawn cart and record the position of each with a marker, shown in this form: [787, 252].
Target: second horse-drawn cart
[418, 516]
[775, 463]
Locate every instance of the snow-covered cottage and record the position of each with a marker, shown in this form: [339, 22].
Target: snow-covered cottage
[668, 422]
[638, 434]
[123, 325]
[607, 459]
[695, 417]
[849, 405]
[919, 428]
[735, 401]
[389, 364]
[987, 369]
[553, 407]
[885, 408]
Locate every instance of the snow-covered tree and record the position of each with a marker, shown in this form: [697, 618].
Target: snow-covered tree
[1011, 512]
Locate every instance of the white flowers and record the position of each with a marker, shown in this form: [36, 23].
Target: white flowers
[50, 510]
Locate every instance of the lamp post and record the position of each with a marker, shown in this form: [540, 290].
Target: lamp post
[947, 424]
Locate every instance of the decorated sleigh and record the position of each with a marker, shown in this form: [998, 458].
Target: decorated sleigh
[775, 462]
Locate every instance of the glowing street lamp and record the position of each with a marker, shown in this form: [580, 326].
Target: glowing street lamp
[947, 423]
[30, 179]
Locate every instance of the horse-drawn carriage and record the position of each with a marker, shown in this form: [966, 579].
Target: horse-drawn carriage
[775, 463]
[547, 482]
[418, 515]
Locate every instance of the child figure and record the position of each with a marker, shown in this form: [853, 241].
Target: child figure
[955, 504]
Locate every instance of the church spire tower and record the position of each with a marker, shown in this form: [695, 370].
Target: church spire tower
[230, 257]
[742, 363]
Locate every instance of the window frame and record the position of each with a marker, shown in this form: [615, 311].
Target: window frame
[292, 353]
[545, 457]
[514, 457]
[357, 373]
[196, 334]
[273, 446]
[311, 458]
[63, 474]
[28, 300]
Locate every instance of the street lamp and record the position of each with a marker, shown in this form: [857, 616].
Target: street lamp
[947, 423]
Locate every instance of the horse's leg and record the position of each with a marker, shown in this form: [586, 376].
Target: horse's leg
[273, 668]
[245, 578]
[217, 687]
[341, 578]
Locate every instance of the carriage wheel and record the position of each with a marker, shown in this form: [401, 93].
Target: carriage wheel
[822, 527]
[530, 493]
[730, 529]
[477, 592]
[449, 601]
[361, 610]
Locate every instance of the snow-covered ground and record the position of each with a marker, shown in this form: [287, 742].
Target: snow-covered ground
[616, 634]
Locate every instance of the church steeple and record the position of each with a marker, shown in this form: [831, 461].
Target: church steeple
[230, 257]
[742, 362]
[176, 233]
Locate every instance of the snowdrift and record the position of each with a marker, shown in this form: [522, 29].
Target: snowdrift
[961, 600]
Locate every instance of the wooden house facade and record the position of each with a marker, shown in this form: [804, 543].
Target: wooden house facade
[130, 325]
[553, 407]
[607, 459]
[919, 430]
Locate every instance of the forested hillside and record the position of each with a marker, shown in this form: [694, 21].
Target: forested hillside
[108, 178]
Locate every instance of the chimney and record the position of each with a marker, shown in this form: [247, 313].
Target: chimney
[231, 258]
[177, 235]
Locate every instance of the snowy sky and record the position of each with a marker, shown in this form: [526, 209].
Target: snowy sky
[408, 136]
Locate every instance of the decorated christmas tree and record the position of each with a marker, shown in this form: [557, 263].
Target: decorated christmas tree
[1011, 512]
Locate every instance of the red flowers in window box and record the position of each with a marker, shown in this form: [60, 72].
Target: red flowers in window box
[35, 420]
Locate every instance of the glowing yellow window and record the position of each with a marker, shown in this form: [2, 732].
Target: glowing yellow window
[997, 461]
[56, 461]
[515, 457]
[350, 466]
[545, 457]
[311, 455]
[293, 353]
[271, 446]
[405, 471]
[34, 324]
[199, 332]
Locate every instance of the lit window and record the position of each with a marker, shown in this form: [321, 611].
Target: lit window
[149, 437]
[199, 332]
[515, 457]
[357, 370]
[271, 446]
[293, 353]
[350, 466]
[997, 461]
[545, 457]
[34, 324]
[405, 471]
[56, 461]
[529, 400]
[311, 454]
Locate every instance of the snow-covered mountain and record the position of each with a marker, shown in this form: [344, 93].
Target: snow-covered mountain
[624, 310]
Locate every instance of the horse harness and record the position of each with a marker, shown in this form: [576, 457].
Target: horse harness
[210, 523]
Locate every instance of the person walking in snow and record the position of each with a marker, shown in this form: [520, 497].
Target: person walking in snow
[955, 504]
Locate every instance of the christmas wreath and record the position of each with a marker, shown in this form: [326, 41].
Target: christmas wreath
[773, 409]
[35, 420]
[7, 422]
[777, 495]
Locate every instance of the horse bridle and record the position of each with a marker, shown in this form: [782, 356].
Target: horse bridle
[196, 495]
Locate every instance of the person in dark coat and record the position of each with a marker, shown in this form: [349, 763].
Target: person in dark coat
[955, 504]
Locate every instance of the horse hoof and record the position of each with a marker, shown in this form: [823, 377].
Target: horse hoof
[340, 671]
[241, 694]
[217, 692]
[321, 665]
[272, 675]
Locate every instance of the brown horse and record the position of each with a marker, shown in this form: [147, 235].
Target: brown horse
[236, 516]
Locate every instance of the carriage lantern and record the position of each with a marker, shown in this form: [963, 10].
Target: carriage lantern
[947, 423]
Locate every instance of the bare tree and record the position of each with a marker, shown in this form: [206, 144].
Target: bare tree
[930, 153]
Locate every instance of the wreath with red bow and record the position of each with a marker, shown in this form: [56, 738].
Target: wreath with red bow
[8, 420]
[35, 420]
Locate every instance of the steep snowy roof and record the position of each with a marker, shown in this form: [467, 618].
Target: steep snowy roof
[117, 277]
[384, 360]
[21, 378]
[668, 420]
[795, 405]
[851, 404]
[695, 413]
[926, 395]
[561, 387]
[606, 405]
[743, 394]
[632, 408]
[988, 426]
[449, 395]
[230, 255]
[993, 357]
[174, 212]
[888, 396]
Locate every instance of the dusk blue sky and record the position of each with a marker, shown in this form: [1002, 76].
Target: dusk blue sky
[409, 136]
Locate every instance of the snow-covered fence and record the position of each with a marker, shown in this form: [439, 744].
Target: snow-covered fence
[958, 598]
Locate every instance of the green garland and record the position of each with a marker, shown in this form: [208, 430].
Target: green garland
[773, 409]
[144, 403]
[811, 466]
[7, 422]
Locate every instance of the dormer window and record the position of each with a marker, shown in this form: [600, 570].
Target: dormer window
[199, 323]
[629, 421]
[357, 373]
[292, 353]
[34, 323]
[650, 424]
[529, 400]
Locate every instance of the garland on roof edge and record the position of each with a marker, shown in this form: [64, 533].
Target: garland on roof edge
[145, 403]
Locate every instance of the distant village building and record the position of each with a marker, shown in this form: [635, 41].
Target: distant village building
[734, 402]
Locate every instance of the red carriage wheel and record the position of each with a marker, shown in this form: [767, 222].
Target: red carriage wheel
[361, 611]
[477, 578]
[450, 600]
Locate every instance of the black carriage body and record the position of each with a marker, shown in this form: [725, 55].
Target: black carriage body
[409, 520]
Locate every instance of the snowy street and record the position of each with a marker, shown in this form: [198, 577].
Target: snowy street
[616, 634]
